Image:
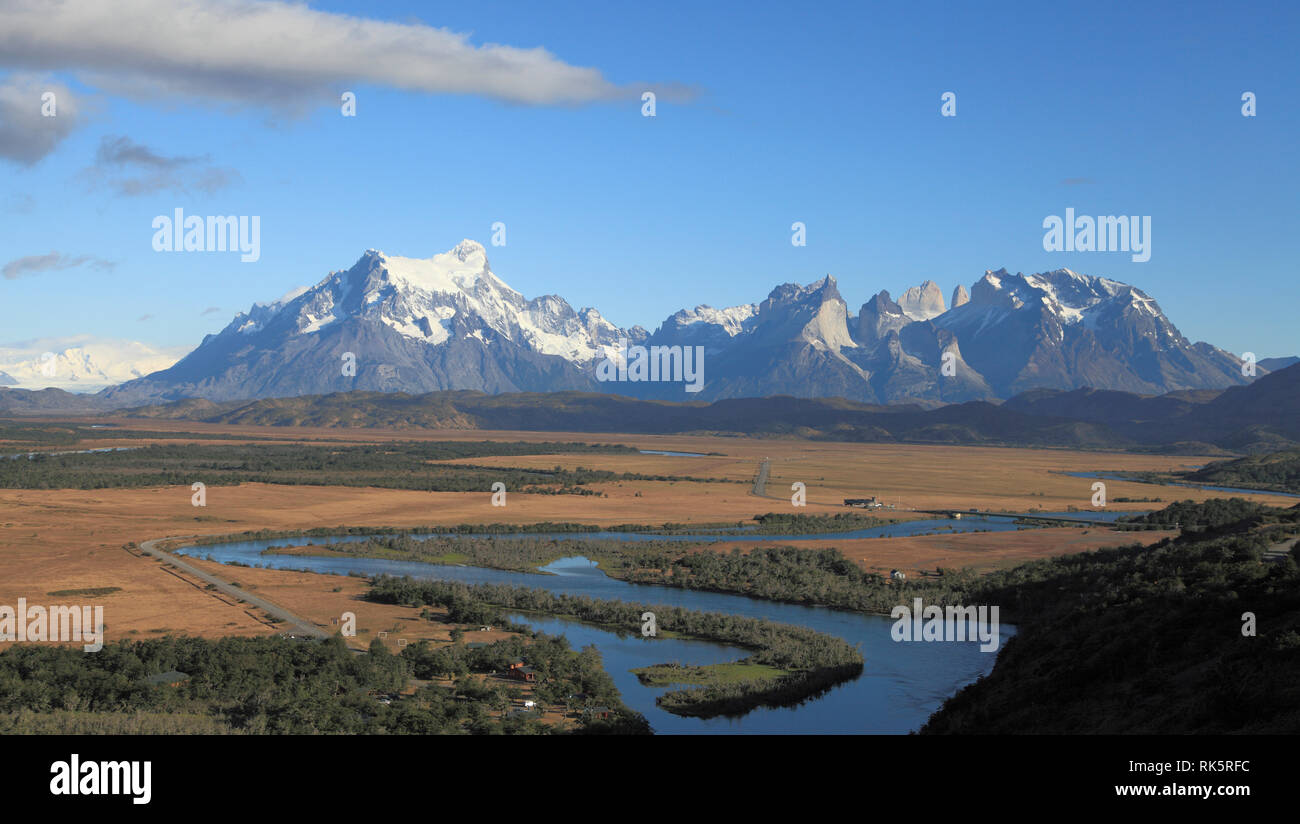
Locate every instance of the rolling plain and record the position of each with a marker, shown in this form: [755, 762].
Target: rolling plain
[58, 541]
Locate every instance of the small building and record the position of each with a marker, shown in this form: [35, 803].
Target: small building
[869, 503]
[171, 678]
[522, 673]
[522, 713]
[897, 575]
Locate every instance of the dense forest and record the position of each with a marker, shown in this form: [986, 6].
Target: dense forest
[782, 523]
[25, 433]
[278, 685]
[1210, 514]
[1154, 639]
[1278, 471]
[407, 465]
[815, 660]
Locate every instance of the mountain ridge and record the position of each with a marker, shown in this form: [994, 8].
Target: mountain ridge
[449, 322]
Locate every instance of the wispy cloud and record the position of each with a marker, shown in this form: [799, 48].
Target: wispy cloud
[27, 135]
[54, 261]
[19, 203]
[144, 318]
[211, 310]
[131, 168]
[282, 54]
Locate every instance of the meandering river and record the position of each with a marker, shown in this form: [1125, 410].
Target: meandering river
[901, 685]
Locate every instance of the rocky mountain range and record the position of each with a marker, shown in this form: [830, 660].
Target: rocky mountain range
[448, 322]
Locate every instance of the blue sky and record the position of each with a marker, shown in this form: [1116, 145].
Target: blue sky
[829, 116]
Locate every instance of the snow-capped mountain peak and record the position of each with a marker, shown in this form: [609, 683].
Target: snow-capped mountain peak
[80, 364]
[430, 300]
[448, 322]
[1067, 295]
[458, 270]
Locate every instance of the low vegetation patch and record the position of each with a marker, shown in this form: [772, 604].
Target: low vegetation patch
[88, 592]
[663, 675]
[408, 465]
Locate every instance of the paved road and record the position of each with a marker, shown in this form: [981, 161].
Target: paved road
[760, 480]
[297, 622]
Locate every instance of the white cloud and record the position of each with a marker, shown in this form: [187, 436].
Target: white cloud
[277, 53]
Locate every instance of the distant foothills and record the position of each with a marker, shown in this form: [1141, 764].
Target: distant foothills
[395, 324]
[1256, 418]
